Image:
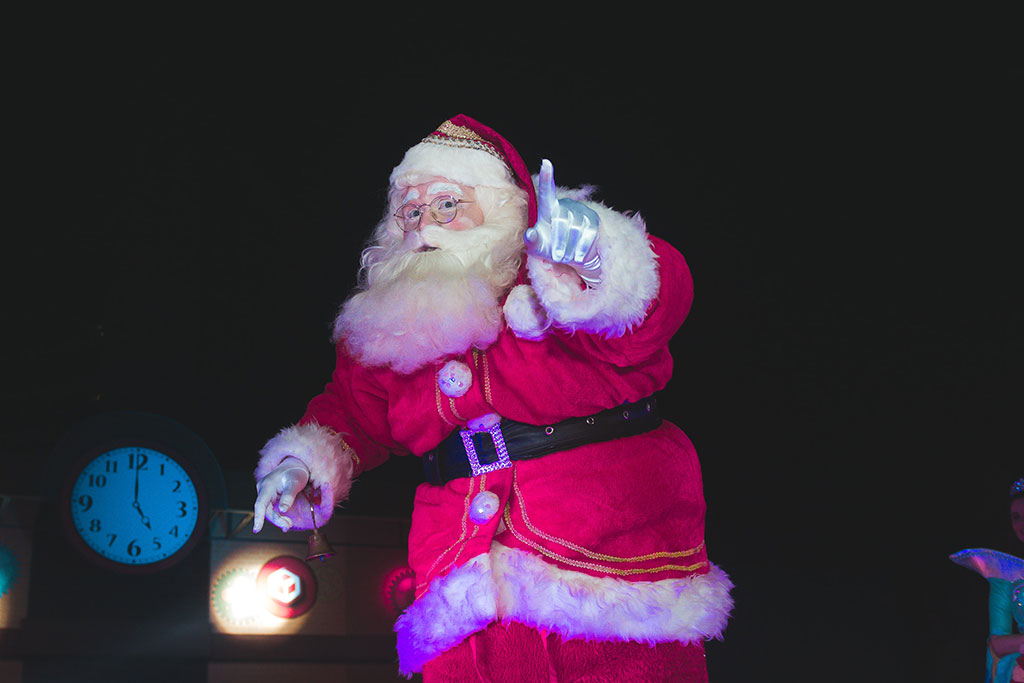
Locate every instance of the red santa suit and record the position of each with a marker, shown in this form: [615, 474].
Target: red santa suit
[602, 542]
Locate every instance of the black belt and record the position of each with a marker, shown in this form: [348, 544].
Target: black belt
[466, 454]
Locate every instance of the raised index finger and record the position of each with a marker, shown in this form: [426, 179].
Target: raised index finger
[547, 202]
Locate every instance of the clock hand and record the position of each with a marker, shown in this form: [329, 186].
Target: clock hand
[145, 519]
[135, 503]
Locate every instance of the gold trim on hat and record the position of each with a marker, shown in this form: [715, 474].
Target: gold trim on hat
[452, 135]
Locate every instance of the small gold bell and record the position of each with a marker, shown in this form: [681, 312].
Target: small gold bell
[319, 548]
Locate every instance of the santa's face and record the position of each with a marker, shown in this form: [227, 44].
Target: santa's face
[445, 218]
[431, 283]
[420, 201]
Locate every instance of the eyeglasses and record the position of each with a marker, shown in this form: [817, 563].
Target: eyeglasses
[442, 209]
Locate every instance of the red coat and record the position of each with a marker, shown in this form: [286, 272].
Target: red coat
[580, 531]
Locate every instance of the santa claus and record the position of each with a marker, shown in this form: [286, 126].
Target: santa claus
[513, 336]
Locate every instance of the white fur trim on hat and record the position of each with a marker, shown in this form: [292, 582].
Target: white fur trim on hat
[524, 315]
[328, 458]
[515, 585]
[464, 165]
[629, 280]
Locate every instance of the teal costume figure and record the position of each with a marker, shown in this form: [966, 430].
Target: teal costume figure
[1005, 575]
[1005, 606]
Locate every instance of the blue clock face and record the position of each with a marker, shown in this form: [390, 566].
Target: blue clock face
[135, 506]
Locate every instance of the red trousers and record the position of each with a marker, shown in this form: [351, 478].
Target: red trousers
[515, 653]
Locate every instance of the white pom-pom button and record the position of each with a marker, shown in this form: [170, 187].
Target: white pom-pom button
[454, 378]
[483, 507]
[484, 422]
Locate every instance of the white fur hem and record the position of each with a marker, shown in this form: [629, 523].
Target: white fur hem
[515, 585]
[577, 605]
[629, 280]
[330, 463]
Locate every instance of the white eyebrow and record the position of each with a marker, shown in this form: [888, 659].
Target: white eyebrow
[411, 195]
[444, 187]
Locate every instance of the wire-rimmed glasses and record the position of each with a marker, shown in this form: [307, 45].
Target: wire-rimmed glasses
[442, 209]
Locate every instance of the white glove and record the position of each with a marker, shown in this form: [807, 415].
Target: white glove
[280, 486]
[566, 230]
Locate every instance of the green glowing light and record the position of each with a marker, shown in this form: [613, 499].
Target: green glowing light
[8, 569]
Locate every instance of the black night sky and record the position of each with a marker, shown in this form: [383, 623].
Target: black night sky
[189, 214]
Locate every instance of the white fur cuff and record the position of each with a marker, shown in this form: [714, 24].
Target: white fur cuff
[629, 281]
[330, 463]
[454, 607]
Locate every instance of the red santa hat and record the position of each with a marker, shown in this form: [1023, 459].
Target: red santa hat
[469, 153]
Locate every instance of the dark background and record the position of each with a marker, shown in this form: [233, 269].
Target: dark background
[188, 212]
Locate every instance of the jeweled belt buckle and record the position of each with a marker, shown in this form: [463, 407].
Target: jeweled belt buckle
[503, 461]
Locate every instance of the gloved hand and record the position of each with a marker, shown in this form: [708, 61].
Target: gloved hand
[566, 230]
[280, 487]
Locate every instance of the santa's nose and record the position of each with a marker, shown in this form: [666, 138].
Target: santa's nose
[413, 239]
[427, 219]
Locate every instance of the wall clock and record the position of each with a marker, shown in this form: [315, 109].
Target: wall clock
[134, 506]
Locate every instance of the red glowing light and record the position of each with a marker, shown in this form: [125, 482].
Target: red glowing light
[288, 586]
[399, 589]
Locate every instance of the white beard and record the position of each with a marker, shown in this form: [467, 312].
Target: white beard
[417, 307]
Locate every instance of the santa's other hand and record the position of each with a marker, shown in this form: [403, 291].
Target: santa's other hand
[276, 492]
[566, 230]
